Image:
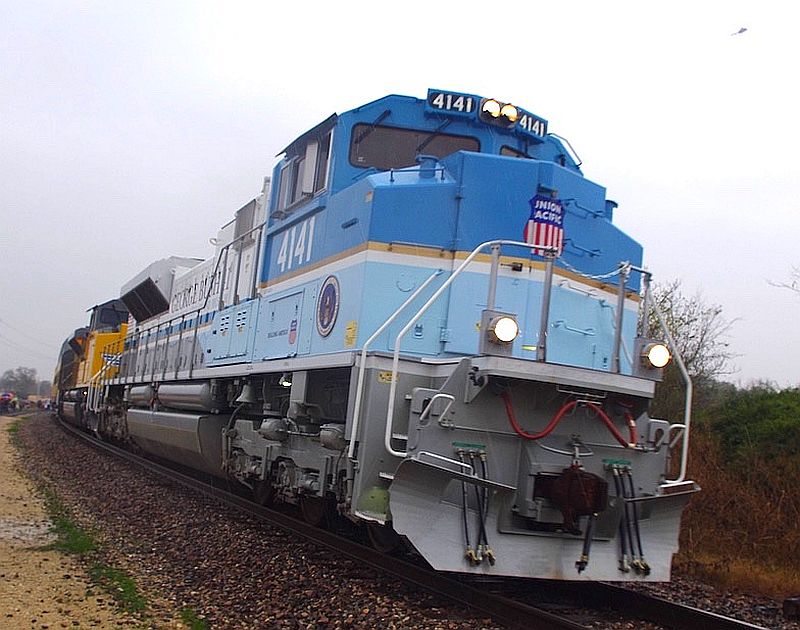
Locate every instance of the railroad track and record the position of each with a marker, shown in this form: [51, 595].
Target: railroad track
[498, 599]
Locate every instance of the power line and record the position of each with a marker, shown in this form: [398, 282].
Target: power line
[22, 348]
[27, 336]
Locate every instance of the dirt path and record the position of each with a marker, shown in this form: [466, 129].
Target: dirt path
[40, 589]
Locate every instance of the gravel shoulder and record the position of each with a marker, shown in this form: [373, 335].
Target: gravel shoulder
[198, 554]
[38, 588]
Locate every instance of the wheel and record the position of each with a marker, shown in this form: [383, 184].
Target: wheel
[383, 538]
[92, 422]
[314, 510]
[264, 492]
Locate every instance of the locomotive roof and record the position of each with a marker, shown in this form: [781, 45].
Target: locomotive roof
[442, 104]
[315, 130]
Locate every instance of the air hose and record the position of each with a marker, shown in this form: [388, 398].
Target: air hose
[469, 552]
[643, 566]
[624, 525]
[567, 407]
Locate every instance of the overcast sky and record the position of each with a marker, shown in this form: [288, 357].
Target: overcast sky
[130, 131]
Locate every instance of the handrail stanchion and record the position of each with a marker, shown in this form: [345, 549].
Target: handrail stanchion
[223, 273]
[387, 437]
[146, 352]
[239, 251]
[165, 354]
[180, 346]
[256, 263]
[194, 342]
[624, 271]
[363, 361]
[687, 412]
[544, 319]
[646, 277]
[492, 295]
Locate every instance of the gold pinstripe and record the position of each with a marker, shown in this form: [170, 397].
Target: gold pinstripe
[437, 252]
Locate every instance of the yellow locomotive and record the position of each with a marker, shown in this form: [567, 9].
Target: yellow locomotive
[91, 354]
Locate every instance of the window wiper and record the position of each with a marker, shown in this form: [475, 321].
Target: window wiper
[432, 136]
[372, 126]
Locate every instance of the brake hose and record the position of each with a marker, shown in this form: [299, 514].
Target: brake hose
[569, 406]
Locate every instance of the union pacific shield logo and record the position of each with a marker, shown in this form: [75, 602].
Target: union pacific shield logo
[545, 227]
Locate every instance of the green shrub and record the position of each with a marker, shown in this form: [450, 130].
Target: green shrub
[760, 421]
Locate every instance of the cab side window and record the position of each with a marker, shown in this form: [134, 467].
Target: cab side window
[306, 171]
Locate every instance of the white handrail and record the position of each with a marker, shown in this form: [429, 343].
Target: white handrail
[387, 437]
[687, 412]
[363, 363]
[427, 411]
[93, 397]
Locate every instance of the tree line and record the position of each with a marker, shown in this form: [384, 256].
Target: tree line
[24, 382]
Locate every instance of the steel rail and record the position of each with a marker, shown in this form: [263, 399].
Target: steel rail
[504, 611]
[665, 612]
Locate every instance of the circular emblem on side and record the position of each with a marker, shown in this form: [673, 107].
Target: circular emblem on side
[327, 306]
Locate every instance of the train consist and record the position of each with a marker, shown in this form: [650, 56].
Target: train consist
[426, 322]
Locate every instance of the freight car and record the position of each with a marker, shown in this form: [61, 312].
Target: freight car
[426, 322]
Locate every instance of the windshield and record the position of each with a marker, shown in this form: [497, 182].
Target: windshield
[385, 148]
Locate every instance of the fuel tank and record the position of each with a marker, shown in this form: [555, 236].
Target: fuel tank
[187, 439]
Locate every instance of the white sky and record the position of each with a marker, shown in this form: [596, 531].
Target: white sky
[130, 131]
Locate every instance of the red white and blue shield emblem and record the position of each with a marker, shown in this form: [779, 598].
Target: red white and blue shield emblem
[545, 227]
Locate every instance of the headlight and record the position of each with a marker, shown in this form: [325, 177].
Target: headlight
[497, 113]
[491, 108]
[510, 113]
[503, 330]
[656, 355]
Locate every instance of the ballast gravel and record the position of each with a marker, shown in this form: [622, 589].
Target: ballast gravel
[187, 551]
[196, 553]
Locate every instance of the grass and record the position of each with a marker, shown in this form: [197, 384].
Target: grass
[72, 539]
[191, 619]
[119, 585]
[13, 432]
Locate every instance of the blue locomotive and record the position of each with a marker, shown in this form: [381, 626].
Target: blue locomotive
[427, 323]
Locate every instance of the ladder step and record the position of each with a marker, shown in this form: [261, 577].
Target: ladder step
[399, 436]
[385, 475]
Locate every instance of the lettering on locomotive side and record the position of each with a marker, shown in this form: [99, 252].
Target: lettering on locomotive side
[547, 210]
[195, 290]
[296, 246]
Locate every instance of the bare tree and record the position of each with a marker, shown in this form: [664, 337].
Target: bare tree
[701, 334]
[699, 329]
[793, 283]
